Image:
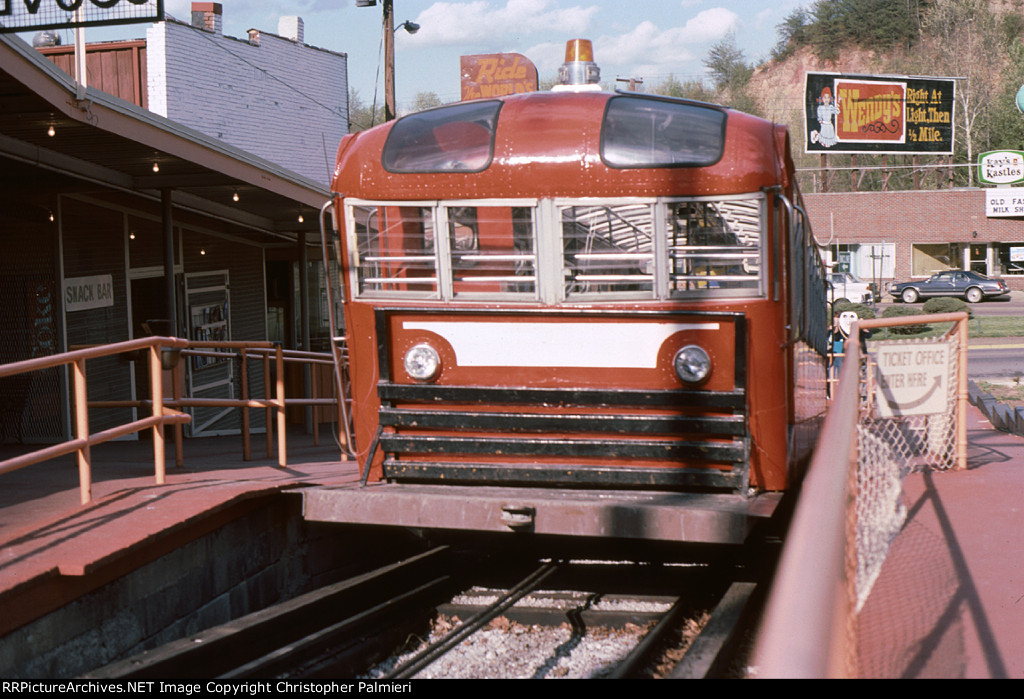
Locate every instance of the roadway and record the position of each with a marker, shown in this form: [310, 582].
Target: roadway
[989, 357]
[1001, 359]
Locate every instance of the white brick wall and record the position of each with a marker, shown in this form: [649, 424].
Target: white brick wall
[281, 100]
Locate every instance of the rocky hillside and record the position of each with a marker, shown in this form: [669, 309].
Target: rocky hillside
[778, 87]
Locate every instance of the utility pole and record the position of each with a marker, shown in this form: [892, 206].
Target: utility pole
[633, 82]
[389, 60]
[389, 50]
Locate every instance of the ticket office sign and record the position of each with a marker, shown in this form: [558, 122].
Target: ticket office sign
[911, 378]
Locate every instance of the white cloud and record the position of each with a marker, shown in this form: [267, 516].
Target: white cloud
[482, 22]
[657, 46]
[547, 56]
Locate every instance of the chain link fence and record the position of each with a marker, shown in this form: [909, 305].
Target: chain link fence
[908, 421]
[900, 406]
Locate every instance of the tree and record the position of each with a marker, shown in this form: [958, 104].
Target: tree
[731, 74]
[691, 89]
[827, 25]
[1007, 123]
[964, 41]
[426, 100]
[792, 33]
[727, 65]
[360, 115]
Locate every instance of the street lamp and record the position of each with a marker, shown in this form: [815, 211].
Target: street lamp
[389, 50]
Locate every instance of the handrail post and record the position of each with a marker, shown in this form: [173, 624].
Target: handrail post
[314, 371]
[177, 381]
[268, 412]
[282, 454]
[961, 397]
[157, 394]
[243, 367]
[82, 430]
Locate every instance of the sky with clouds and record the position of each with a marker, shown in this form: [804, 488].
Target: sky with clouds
[649, 39]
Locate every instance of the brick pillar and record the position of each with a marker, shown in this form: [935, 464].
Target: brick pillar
[208, 16]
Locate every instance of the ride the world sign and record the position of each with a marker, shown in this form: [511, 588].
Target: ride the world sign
[878, 114]
[33, 15]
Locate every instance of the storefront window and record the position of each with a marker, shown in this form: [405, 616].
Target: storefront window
[1011, 258]
[867, 261]
[929, 258]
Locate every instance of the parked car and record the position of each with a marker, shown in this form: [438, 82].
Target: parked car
[970, 285]
[843, 285]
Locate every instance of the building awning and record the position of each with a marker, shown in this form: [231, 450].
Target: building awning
[114, 144]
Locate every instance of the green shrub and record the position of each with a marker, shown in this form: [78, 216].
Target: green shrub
[863, 312]
[900, 312]
[945, 305]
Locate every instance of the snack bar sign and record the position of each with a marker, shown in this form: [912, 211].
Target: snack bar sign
[878, 114]
[912, 379]
[33, 15]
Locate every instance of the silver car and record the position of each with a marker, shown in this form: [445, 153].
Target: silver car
[843, 285]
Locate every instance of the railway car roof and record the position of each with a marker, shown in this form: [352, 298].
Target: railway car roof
[563, 144]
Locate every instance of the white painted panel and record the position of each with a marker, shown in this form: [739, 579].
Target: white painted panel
[586, 345]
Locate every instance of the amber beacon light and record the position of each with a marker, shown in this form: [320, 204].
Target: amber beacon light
[579, 72]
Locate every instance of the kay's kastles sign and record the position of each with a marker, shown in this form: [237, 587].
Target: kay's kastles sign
[878, 114]
[32, 15]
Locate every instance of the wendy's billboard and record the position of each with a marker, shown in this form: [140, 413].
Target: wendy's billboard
[878, 114]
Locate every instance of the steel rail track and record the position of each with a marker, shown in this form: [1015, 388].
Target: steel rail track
[341, 629]
[707, 656]
[709, 653]
[302, 634]
[434, 651]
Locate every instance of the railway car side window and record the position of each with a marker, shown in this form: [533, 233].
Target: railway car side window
[394, 250]
[456, 138]
[491, 249]
[646, 132]
[715, 246]
[608, 249]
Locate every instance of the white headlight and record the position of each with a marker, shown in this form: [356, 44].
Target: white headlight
[692, 364]
[422, 362]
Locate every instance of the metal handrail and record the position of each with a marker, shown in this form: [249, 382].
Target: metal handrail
[164, 410]
[83, 441]
[809, 592]
[242, 351]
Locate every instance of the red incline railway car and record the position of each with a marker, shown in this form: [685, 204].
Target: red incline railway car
[611, 298]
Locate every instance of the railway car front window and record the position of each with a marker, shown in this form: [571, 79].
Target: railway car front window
[715, 246]
[393, 251]
[491, 250]
[458, 251]
[630, 249]
[653, 132]
[608, 249]
[456, 138]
